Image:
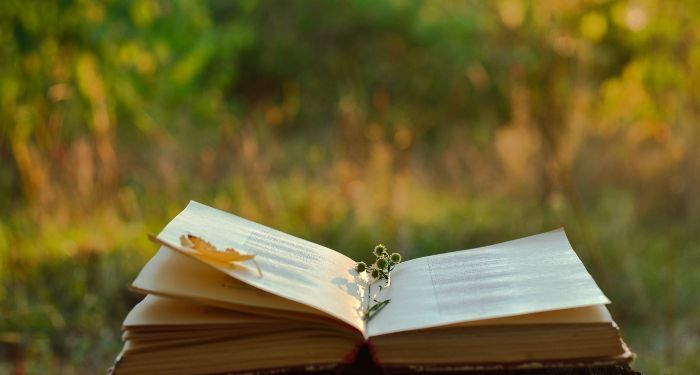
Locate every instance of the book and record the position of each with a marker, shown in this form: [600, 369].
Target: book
[300, 306]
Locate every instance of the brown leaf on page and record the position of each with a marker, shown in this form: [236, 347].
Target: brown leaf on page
[207, 251]
[197, 243]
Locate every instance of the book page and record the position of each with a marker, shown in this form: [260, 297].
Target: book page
[173, 274]
[155, 311]
[576, 315]
[292, 268]
[532, 274]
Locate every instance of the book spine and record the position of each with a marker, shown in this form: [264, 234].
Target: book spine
[352, 355]
[372, 352]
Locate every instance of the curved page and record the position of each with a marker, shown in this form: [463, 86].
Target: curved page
[532, 274]
[292, 268]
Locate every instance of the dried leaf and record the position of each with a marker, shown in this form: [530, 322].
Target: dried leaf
[203, 250]
[208, 251]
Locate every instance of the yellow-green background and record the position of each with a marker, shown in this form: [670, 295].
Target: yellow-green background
[429, 126]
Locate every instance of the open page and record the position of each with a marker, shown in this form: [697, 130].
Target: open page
[173, 274]
[157, 311]
[597, 314]
[532, 274]
[292, 268]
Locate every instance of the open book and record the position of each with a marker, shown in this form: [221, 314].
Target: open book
[518, 303]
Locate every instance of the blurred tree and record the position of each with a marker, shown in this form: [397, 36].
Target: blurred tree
[432, 124]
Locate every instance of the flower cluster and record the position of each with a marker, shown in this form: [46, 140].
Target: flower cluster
[382, 265]
[380, 270]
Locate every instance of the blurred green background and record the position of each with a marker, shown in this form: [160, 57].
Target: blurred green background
[429, 126]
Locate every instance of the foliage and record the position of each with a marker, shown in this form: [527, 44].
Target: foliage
[430, 125]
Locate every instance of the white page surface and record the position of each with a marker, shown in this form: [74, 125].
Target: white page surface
[155, 311]
[292, 268]
[532, 274]
[176, 275]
